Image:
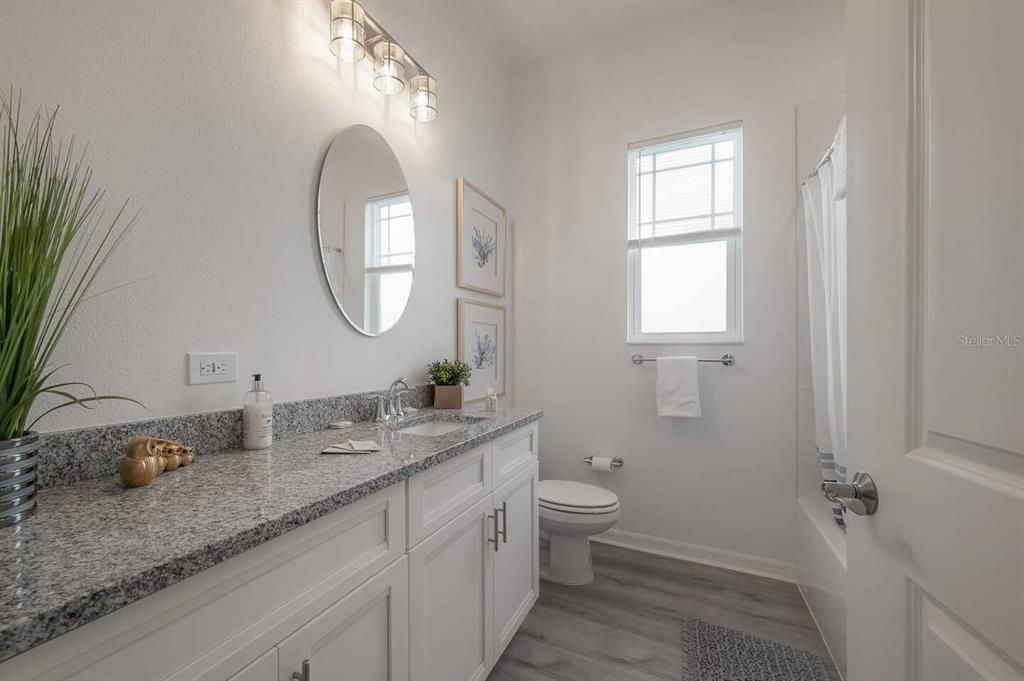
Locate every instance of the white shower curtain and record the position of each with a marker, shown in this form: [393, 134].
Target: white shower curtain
[824, 195]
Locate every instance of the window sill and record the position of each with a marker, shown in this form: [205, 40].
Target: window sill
[729, 340]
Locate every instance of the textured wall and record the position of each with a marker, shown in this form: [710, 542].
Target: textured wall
[214, 118]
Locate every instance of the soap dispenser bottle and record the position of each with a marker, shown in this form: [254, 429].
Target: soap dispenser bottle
[257, 416]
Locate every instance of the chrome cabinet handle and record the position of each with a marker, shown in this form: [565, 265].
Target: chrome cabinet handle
[504, 521]
[496, 531]
[860, 495]
[304, 674]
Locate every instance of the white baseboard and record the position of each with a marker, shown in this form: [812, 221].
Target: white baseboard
[730, 560]
[831, 655]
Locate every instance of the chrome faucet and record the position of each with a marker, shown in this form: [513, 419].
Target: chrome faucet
[394, 399]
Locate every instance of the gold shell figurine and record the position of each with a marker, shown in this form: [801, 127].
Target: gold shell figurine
[147, 457]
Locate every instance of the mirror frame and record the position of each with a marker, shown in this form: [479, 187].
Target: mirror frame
[319, 232]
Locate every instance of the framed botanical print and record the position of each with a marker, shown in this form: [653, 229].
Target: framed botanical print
[482, 346]
[481, 249]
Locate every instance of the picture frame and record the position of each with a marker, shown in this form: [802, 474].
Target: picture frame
[481, 240]
[482, 344]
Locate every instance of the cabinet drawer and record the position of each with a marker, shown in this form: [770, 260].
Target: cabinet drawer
[513, 453]
[224, 618]
[443, 492]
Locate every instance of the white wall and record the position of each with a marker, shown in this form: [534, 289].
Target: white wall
[727, 481]
[214, 118]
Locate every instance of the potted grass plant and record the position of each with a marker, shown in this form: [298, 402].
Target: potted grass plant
[54, 240]
[448, 377]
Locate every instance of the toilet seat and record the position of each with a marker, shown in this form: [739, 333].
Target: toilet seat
[576, 510]
[567, 496]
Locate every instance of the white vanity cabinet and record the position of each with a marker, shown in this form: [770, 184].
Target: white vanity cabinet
[427, 579]
[473, 581]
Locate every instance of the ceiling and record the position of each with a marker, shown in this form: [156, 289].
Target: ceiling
[522, 31]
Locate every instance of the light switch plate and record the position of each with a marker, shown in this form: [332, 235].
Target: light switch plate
[212, 367]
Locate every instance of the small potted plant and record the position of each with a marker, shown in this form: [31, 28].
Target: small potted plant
[54, 240]
[448, 376]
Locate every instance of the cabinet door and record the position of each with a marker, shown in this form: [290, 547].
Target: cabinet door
[450, 599]
[517, 562]
[362, 637]
[263, 668]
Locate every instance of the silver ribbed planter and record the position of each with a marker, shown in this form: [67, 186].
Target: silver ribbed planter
[18, 478]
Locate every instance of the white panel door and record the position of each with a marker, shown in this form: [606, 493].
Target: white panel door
[517, 561]
[362, 637]
[936, 313]
[451, 599]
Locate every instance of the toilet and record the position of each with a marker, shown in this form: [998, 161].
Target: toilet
[570, 512]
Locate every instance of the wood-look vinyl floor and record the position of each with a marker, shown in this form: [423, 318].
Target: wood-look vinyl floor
[624, 626]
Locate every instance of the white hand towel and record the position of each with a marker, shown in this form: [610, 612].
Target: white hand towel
[676, 391]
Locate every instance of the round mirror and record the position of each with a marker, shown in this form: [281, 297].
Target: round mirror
[366, 230]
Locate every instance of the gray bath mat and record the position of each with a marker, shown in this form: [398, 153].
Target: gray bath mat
[713, 653]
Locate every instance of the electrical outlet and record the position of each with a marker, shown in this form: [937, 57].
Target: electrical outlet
[212, 367]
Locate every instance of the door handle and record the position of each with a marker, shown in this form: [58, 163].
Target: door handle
[497, 532]
[504, 521]
[860, 495]
[304, 674]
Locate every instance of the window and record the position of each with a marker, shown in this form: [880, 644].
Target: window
[685, 237]
[390, 255]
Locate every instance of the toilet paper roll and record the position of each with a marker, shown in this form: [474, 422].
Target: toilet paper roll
[601, 463]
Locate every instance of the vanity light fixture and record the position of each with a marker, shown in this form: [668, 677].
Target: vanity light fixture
[356, 35]
[388, 67]
[424, 98]
[348, 30]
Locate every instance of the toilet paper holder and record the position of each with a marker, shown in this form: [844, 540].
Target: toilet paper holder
[617, 461]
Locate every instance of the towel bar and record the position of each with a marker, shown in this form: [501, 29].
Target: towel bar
[726, 359]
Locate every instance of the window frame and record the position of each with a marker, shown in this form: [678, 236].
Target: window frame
[373, 273]
[732, 236]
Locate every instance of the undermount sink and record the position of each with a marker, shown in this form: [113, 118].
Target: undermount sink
[433, 428]
[437, 426]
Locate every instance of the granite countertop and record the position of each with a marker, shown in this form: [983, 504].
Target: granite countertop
[94, 547]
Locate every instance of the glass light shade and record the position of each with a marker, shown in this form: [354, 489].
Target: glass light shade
[424, 98]
[388, 67]
[348, 30]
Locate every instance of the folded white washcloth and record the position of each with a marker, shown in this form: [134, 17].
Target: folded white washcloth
[363, 446]
[338, 449]
[352, 447]
[676, 391]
